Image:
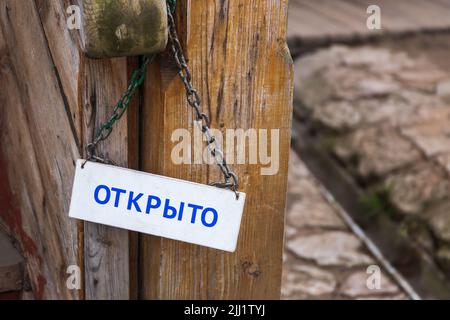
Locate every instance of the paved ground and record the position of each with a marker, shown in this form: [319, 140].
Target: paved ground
[323, 258]
[384, 113]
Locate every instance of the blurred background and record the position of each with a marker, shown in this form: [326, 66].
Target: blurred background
[368, 213]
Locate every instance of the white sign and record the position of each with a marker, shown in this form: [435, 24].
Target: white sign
[157, 205]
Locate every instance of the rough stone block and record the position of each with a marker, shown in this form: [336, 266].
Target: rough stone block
[337, 248]
[412, 190]
[376, 151]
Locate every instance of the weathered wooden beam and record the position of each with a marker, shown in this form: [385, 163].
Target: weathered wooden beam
[133, 124]
[52, 101]
[243, 70]
[37, 152]
[96, 86]
[106, 256]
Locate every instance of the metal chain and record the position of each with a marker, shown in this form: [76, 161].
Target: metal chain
[136, 81]
[193, 98]
[171, 4]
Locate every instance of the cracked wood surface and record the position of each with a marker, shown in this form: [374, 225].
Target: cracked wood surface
[243, 71]
[52, 99]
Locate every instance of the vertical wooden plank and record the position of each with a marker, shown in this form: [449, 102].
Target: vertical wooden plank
[63, 45]
[91, 89]
[37, 152]
[52, 101]
[106, 248]
[243, 70]
[133, 123]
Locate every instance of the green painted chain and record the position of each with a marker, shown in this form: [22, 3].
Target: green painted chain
[136, 81]
[172, 5]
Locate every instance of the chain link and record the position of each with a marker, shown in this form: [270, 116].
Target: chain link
[193, 99]
[171, 4]
[136, 81]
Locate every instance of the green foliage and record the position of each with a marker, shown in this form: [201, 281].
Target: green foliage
[377, 203]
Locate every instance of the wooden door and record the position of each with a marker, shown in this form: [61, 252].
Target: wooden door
[52, 100]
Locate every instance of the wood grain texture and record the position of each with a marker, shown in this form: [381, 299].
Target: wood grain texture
[63, 45]
[99, 86]
[106, 248]
[243, 71]
[95, 85]
[133, 123]
[38, 150]
[52, 100]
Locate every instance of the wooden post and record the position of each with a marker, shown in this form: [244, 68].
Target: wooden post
[38, 147]
[243, 71]
[106, 255]
[51, 102]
